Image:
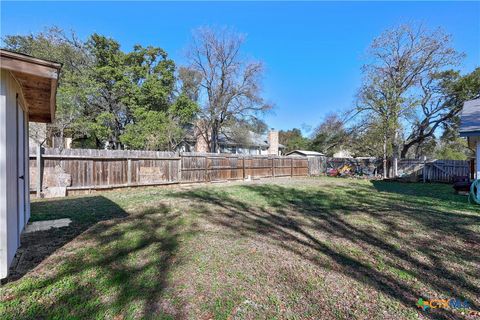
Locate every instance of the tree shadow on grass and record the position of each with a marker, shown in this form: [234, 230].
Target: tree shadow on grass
[115, 268]
[421, 192]
[436, 208]
[301, 220]
[37, 246]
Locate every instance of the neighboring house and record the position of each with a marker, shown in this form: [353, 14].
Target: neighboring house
[470, 128]
[255, 144]
[27, 93]
[304, 153]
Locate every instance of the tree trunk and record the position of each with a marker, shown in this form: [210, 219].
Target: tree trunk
[406, 147]
[395, 154]
[214, 140]
[403, 153]
[385, 156]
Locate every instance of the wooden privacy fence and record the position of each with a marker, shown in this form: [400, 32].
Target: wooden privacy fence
[197, 167]
[317, 165]
[86, 169]
[408, 169]
[433, 170]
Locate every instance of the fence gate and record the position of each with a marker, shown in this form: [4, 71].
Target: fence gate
[446, 170]
[317, 165]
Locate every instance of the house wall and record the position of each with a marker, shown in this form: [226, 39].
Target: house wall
[242, 150]
[9, 220]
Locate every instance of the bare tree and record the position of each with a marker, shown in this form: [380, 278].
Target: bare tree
[229, 86]
[401, 60]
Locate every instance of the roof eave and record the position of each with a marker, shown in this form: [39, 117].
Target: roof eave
[469, 133]
[34, 76]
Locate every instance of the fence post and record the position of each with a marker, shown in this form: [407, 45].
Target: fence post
[291, 168]
[309, 172]
[454, 171]
[424, 168]
[243, 165]
[273, 167]
[206, 168]
[129, 171]
[472, 168]
[39, 170]
[179, 170]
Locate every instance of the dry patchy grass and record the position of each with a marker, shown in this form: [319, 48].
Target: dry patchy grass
[317, 248]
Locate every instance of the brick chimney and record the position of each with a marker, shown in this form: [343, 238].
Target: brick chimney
[273, 142]
[201, 144]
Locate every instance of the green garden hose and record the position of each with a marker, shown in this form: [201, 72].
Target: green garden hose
[472, 196]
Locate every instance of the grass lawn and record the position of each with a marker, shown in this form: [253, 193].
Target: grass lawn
[314, 248]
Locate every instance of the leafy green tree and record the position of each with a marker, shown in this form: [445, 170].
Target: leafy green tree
[440, 102]
[159, 130]
[451, 146]
[293, 140]
[110, 98]
[331, 135]
[366, 139]
[113, 98]
[73, 88]
[453, 150]
[136, 93]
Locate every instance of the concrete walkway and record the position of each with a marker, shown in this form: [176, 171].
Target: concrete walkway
[47, 224]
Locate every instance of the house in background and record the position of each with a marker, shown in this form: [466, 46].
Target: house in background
[253, 144]
[27, 93]
[470, 128]
[304, 153]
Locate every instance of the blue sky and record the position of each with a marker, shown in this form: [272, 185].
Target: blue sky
[312, 50]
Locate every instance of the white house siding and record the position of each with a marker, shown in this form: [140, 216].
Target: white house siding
[9, 221]
[242, 150]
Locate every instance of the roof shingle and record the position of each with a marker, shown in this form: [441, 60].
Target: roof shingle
[470, 118]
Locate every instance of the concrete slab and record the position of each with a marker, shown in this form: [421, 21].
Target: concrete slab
[54, 192]
[47, 224]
